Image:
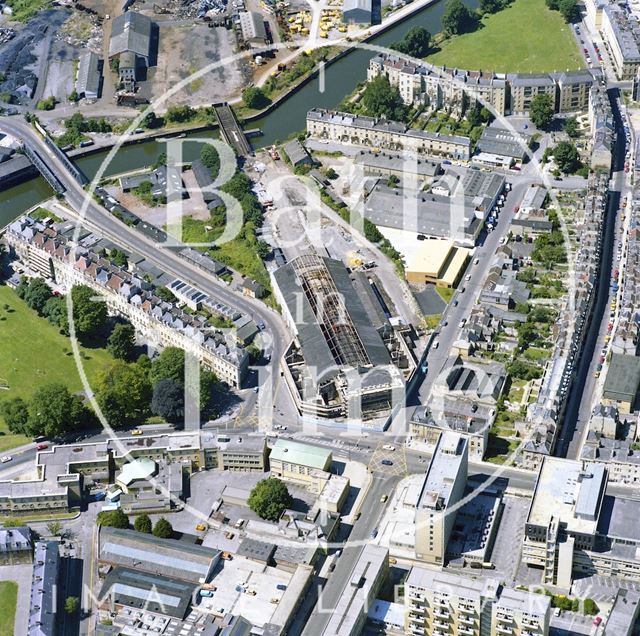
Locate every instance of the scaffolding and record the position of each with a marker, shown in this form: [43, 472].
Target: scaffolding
[330, 311]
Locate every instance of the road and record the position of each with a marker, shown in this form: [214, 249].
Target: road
[579, 403]
[98, 219]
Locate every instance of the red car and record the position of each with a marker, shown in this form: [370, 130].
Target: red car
[42, 446]
[597, 620]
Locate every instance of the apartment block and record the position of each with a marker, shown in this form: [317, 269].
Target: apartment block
[443, 487]
[442, 602]
[621, 34]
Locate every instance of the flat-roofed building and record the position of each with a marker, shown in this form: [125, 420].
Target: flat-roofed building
[89, 79]
[622, 382]
[621, 33]
[360, 589]
[445, 601]
[15, 545]
[563, 517]
[624, 613]
[43, 601]
[534, 199]
[296, 462]
[358, 130]
[438, 262]
[442, 488]
[387, 163]
[520, 613]
[160, 557]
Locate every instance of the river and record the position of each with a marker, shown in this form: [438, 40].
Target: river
[340, 79]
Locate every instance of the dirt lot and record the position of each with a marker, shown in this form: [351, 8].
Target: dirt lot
[185, 49]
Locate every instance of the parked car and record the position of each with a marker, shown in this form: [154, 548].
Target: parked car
[5, 458]
[42, 446]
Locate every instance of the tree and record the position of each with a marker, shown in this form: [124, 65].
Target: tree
[569, 10]
[566, 156]
[15, 413]
[121, 343]
[541, 110]
[164, 293]
[55, 311]
[54, 411]
[416, 42]
[263, 249]
[490, 6]
[254, 97]
[169, 365]
[143, 524]
[168, 400]
[89, 315]
[380, 99]
[552, 4]
[54, 528]
[162, 529]
[473, 116]
[113, 519]
[590, 607]
[71, 604]
[211, 159]
[270, 498]
[457, 18]
[571, 127]
[123, 392]
[37, 294]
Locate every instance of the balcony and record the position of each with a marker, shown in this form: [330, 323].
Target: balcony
[466, 631]
[443, 625]
[503, 629]
[466, 609]
[443, 613]
[466, 620]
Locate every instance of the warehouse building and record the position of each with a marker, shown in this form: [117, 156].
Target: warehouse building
[438, 262]
[89, 80]
[299, 463]
[501, 148]
[132, 37]
[401, 165]
[252, 28]
[357, 11]
[339, 365]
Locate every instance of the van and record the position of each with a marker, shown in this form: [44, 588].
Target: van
[239, 523]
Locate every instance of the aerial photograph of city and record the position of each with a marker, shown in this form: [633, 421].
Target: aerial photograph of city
[319, 317]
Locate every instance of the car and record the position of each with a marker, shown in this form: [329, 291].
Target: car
[201, 527]
[463, 322]
[436, 344]
[444, 323]
[392, 561]
[503, 240]
[462, 290]
[557, 611]
[358, 515]
[5, 458]
[384, 498]
[389, 447]
[42, 446]
[467, 277]
[374, 533]
[386, 462]
[597, 620]
[136, 431]
[256, 389]
[455, 302]
[476, 261]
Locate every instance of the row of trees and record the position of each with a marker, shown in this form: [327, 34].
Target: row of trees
[568, 8]
[142, 523]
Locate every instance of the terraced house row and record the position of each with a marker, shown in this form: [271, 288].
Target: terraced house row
[52, 255]
[441, 87]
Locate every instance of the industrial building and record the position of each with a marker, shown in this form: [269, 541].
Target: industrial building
[339, 365]
[622, 382]
[299, 463]
[401, 165]
[132, 36]
[442, 488]
[89, 79]
[357, 11]
[501, 148]
[438, 262]
[252, 28]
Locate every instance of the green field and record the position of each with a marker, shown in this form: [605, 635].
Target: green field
[8, 600]
[33, 352]
[526, 37]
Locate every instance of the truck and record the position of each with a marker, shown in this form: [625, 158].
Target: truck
[207, 593]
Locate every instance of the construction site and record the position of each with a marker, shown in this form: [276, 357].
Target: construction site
[347, 359]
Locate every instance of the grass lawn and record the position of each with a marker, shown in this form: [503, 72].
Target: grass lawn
[8, 601]
[526, 37]
[446, 293]
[33, 352]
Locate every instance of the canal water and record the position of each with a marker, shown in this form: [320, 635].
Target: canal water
[340, 79]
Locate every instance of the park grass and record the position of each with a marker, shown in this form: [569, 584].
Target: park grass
[8, 602]
[526, 37]
[32, 353]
